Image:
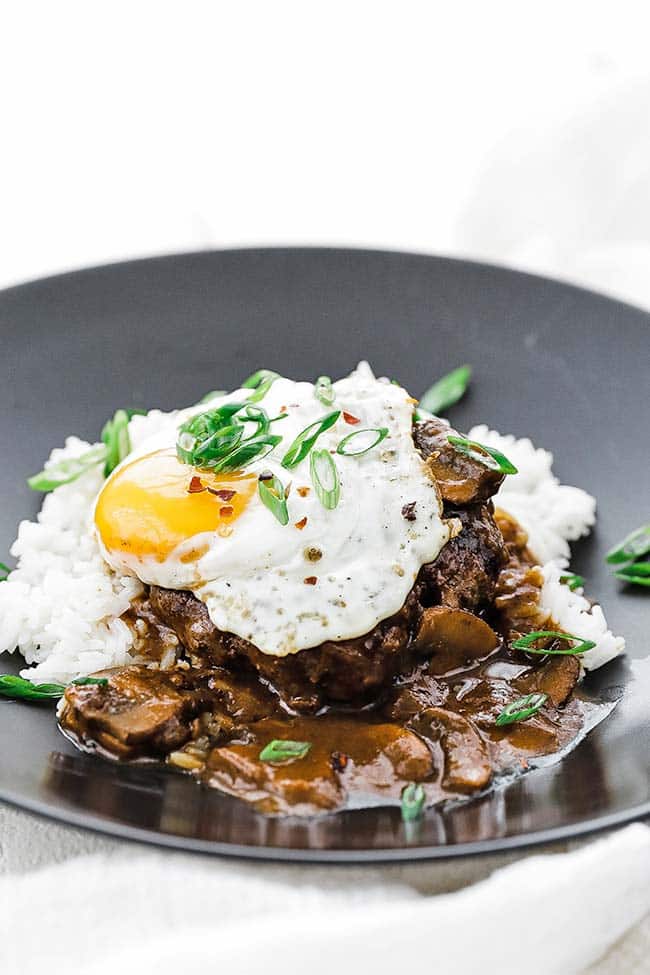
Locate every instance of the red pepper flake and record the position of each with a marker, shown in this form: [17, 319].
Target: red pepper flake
[349, 418]
[196, 486]
[339, 761]
[226, 511]
[301, 524]
[303, 491]
[409, 511]
[222, 493]
[283, 409]
[311, 580]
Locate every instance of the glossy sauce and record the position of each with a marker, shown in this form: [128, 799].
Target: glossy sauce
[435, 723]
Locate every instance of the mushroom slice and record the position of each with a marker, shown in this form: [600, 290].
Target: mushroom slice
[461, 479]
[454, 638]
[467, 762]
[557, 678]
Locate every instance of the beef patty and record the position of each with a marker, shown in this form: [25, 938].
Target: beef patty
[464, 576]
[437, 675]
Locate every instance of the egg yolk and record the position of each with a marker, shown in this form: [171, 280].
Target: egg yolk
[155, 503]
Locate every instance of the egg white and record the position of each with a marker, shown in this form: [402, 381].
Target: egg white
[253, 581]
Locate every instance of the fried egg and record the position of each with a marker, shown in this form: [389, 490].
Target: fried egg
[329, 573]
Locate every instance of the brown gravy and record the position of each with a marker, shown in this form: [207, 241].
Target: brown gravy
[433, 723]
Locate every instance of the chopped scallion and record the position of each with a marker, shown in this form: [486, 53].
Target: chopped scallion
[489, 456]
[325, 478]
[21, 689]
[522, 709]
[307, 438]
[115, 446]
[212, 395]
[284, 751]
[413, 800]
[421, 416]
[636, 574]
[216, 440]
[324, 391]
[526, 643]
[361, 441]
[115, 436]
[635, 545]
[260, 382]
[252, 449]
[68, 470]
[446, 391]
[272, 494]
[573, 581]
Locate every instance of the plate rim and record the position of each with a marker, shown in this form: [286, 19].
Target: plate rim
[337, 856]
[326, 249]
[135, 834]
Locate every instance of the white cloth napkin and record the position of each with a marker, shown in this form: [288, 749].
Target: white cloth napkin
[131, 909]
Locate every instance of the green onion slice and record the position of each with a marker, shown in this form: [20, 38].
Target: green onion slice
[253, 449]
[413, 800]
[307, 438]
[67, 470]
[637, 574]
[20, 689]
[522, 709]
[526, 643]
[209, 435]
[4, 572]
[115, 446]
[271, 491]
[261, 381]
[573, 581]
[324, 391]
[325, 478]
[261, 419]
[212, 395]
[421, 416]
[115, 436]
[446, 391]
[492, 458]
[284, 751]
[633, 547]
[361, 441]
[216, 440]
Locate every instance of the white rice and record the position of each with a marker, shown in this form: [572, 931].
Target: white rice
[61, 606]
[553, 515]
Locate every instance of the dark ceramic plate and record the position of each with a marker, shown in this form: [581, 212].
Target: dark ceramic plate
[563, 366]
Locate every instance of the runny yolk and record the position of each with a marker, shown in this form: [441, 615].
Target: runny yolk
[146, 508]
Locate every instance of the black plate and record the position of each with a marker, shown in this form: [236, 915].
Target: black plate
[563, 366]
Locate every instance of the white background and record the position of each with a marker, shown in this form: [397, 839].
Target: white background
[517, 132]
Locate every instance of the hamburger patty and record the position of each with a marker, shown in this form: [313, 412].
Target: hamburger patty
[436, 676]
[464, 575]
